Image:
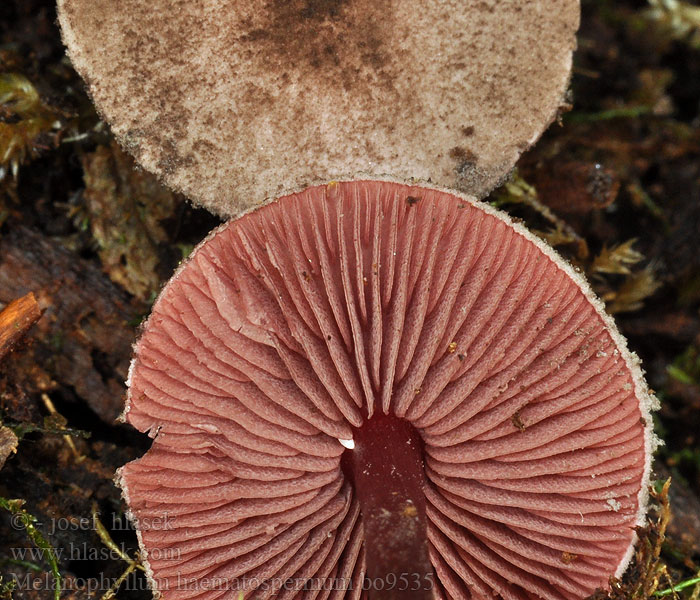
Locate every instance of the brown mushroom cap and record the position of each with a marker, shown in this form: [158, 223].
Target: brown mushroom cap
[376, 306]
[219, 97]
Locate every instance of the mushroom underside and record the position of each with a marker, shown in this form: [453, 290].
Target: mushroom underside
[500, 427]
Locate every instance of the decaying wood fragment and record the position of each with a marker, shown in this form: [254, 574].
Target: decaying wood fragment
[16, 318]
[83, 341]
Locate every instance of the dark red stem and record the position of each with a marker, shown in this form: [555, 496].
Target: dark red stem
[387, 471]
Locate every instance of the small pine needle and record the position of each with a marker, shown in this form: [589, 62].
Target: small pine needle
[61, 425]
[109, 542]
[677, 587]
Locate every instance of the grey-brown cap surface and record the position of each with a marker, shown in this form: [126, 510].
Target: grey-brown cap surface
[370, 378]
[219, 97]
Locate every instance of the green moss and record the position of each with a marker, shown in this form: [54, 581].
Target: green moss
[28, 521]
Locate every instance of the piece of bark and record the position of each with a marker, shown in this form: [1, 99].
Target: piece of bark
[15, 319]
[83, 339]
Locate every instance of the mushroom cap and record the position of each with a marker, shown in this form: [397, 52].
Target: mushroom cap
[291, 326]
[221, 95]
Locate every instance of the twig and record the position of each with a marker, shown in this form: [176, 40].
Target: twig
[15, 319]
[67, 438]
[111, 592]
[133, 563]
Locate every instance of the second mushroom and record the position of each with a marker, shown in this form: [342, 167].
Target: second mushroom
[375, 390]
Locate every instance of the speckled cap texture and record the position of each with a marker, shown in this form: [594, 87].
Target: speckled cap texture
[220, 98]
